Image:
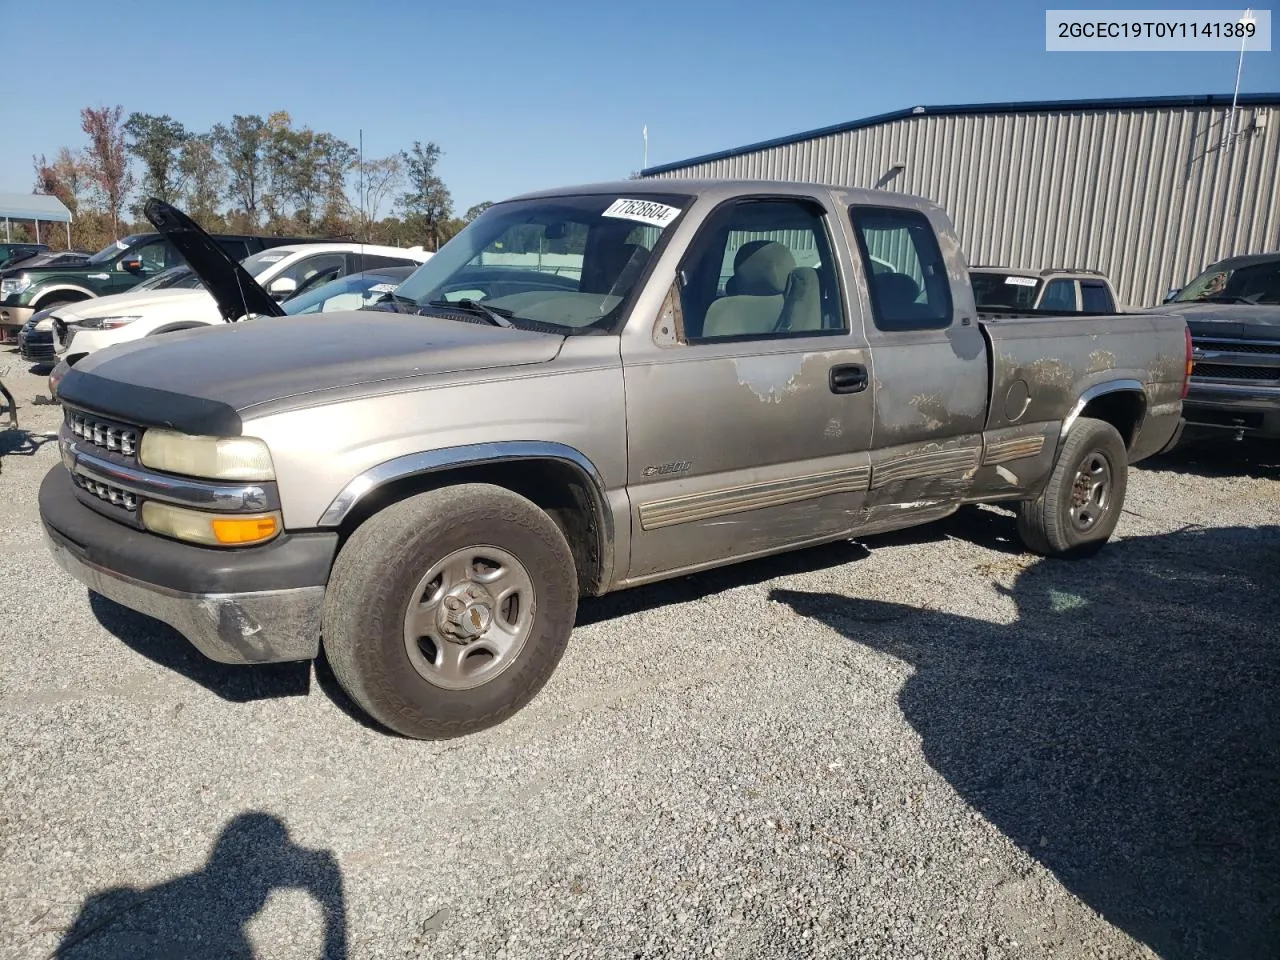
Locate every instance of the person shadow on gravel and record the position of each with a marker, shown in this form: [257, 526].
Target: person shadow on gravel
[1124, 731]
[206, 913]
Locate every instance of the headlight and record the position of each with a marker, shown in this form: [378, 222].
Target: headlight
[211, 529]
[211, 458]
[12, 286]
[104, 323]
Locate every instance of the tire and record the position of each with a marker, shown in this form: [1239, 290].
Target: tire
[1052, 524]
[400, 676]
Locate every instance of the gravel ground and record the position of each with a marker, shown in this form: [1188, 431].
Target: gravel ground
[925, 746]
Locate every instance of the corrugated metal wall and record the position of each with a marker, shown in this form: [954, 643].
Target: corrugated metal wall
[1147, 195]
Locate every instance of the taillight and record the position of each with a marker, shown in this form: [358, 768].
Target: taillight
[1186, 380]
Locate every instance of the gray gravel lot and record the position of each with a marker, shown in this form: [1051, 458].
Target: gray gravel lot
[926, 746]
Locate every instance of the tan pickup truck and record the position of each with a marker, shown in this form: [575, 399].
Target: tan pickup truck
[585, 390]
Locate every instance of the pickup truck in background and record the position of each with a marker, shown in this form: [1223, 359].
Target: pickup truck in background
[118, 267]
[1055, 289]
[1233, 312]
[721, 372]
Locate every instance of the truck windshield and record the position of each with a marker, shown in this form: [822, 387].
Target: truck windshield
[112, 250]
[1004, 290]
[1256, 283]
[564, 262]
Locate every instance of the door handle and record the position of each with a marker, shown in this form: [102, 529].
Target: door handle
[848, 378]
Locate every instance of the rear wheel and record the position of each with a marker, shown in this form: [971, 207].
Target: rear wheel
[447, 612]
[1080, 506]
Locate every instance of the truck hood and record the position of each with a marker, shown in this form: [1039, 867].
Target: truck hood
[1227, 320]
[199, 381]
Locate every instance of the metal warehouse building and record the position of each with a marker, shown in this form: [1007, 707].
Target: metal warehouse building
[1149, 191]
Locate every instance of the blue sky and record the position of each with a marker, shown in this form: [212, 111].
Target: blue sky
[524, 95]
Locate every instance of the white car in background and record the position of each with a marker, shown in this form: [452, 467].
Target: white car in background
[85, 327]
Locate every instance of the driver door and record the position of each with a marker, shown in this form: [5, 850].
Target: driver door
[749, 431]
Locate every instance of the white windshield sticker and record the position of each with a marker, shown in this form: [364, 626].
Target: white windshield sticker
[1020, 281]
[382, 288]
[644, 211]
[272, 259]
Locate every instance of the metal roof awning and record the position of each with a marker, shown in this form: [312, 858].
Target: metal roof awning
[35, 207]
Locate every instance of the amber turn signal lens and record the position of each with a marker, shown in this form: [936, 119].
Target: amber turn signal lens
[244, 529]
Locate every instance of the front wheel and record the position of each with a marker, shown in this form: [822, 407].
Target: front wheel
[1078, 510]
[448, 611]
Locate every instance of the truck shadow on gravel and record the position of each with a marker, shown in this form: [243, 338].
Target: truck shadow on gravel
[207, 913]
[1124, 731]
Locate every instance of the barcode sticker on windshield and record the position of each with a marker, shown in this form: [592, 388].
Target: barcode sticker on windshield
[273, 258]
[644, 211]
[1020, 281]
[382, 288]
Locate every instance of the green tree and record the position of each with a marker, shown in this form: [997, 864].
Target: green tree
[156, 141]
[427, 204]
[476, 210]
[203, 176]
[241, 147]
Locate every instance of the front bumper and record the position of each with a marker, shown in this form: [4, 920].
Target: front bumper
[256, 605]
[11, 321]
[36, 346]
[1250, 410]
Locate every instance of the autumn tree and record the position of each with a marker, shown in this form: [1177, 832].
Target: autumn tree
[241, 146]
[64, 178]
[107, 162]
[427, 204]
[157, 142]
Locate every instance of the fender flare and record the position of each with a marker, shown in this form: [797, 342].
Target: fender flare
[37, 303]
[481, 454]
[1125, 385]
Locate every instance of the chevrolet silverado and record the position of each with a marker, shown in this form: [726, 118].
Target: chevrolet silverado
[585, 390]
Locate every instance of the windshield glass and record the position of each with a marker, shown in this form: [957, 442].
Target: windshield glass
[1257, 283]
[353, 292]
[112, 250]
[1007, 290]
[566, 261]
[165, 278]
[259, 263]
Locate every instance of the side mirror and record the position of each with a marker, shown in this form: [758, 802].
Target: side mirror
[282, 287]
[132, 264]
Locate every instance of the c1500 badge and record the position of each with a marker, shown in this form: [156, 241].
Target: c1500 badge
[676, 466]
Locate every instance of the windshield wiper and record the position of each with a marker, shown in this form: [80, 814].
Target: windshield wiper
[495, 315]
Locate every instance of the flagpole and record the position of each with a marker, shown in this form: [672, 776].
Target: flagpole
[646, 147]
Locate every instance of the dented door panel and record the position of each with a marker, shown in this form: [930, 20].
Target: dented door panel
[931, 385]
[739, 449]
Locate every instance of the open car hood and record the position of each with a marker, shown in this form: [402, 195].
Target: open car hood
[236, 293]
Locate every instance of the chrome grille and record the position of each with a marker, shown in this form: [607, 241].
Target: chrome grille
[115, 437]
[107, 492]
[1227, 371]
[1236, 346]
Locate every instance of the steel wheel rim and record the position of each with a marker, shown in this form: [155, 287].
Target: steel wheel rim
[1091, 492]
[469, 617]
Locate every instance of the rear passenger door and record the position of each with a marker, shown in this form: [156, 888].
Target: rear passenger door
[929, 362]
[748, 423]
